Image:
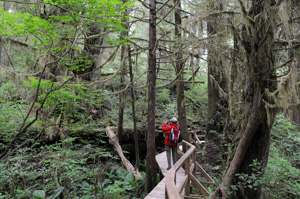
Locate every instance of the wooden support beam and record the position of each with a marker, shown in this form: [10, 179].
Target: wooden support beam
[194, 142]
[201, 188]
[187, 172]
[205, 182]
[182, 186]
[204, 174]
[193, 197]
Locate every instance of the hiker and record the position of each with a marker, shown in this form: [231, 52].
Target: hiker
[170, 146]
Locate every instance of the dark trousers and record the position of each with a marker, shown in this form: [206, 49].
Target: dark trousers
[171, 149]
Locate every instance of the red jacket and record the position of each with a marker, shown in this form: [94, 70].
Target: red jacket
[167, 130]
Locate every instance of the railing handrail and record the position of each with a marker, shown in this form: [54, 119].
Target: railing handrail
[171, 190]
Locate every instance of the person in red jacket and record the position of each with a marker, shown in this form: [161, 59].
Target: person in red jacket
[170, 146]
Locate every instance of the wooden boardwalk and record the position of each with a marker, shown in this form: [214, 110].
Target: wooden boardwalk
[159, 191]
[177, 181]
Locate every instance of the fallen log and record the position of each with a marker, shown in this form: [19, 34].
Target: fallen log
[115, 141]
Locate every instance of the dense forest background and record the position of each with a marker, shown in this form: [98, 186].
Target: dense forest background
[228, 70]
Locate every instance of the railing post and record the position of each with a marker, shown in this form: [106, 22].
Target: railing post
[187, 172]
[166, 193]
[194, 162]
[177, 149]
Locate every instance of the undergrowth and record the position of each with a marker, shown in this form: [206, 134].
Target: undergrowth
[281, 178]
[76, 171]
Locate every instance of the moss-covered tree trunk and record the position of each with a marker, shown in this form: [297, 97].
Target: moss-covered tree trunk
[217, 90]
[293, 111]
[252, 121]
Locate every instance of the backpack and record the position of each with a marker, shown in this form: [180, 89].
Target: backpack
[174, 136]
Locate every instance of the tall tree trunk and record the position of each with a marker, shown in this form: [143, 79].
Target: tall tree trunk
[179, 67]
[135, 132]
[122, 95]
[91, 52]
[7, 60]
[293, 111]
[253, 137]
[95, 53]
[151, 165]
[217, 90]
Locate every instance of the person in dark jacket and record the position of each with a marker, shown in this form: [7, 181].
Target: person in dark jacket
[170, 147]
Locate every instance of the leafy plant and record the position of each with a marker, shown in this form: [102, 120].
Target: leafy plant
[281, 179]
[121, 183]
[248, 181]
[12, 109]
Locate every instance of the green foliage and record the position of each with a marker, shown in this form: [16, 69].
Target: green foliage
[120, 182]
[76, 170]
[106, 13]
[12, 111]
[250, 181]
[166, 104]
[39, 194]
[8, 91]
[15, 24]
[163, 96]
[197, 112]
[286, 137]
[281, 178]
[72, 100]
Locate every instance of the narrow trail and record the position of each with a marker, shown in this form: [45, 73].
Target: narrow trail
[177, 181]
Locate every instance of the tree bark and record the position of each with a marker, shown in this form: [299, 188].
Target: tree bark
[7, 60]
[135, 132]
[122, 80]
[217, 91]
[151, 164]
[179, 66]
[121, 96]
[293, 111]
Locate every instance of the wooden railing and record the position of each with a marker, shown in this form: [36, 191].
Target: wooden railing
[194, 139]
[188, 159]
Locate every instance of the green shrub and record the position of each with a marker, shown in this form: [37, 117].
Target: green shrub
[12, 111]
[281, 178]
